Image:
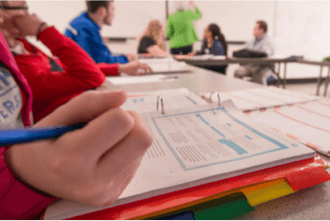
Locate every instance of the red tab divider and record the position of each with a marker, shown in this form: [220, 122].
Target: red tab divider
[300, 175]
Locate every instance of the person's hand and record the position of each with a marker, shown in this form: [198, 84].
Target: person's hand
[132, 57]
[134, 68]
[7, 27]
[92, 165]
[180, 56]
[29, 24]
[192, 4]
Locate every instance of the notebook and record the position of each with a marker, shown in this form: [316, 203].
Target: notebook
[301, 117]
[196, 146]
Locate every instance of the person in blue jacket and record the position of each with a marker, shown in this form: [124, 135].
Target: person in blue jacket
[85, 30]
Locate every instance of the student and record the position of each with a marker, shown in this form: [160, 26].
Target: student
[54, 81]
[214, 42]
[84, 165]
[85, 30]
[180, 30]
[152, 40]
[261, 43]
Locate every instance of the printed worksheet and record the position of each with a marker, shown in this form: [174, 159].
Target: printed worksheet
[143, 102]
[253, 99]
[195, 146]
[308, 123]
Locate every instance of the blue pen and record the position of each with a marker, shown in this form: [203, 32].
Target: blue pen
[24, 135]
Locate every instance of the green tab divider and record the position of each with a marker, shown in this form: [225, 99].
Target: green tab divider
[223, 208]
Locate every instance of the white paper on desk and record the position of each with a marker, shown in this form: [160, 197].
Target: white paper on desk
[143, 102]
[139, 79]
[308, 123]
[253, 99]
[208, 57]
[197, 146]
[157, 60]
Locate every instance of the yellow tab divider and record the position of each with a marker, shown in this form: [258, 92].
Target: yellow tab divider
[263, 192]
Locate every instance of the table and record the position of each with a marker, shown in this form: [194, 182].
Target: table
[319, 80]
[259, 61]
[311, 203]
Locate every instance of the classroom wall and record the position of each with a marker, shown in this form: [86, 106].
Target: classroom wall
[297, 27]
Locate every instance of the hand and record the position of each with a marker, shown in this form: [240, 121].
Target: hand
[134, 68]
[192, 4]
[132, 57]
[29, 24]
[7, 27]
[92, 165]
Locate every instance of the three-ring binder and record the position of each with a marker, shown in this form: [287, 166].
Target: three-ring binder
[218, 95]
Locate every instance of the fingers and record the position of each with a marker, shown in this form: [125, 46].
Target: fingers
[145, 68]
[84, 108]
[128, 152]
[102, 133]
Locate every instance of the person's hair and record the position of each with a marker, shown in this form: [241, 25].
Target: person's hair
[217, 35]
[154, 31]
[93, 6]
[263, 25]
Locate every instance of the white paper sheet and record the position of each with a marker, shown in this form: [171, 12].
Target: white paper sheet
[140, 79]
[143, 102]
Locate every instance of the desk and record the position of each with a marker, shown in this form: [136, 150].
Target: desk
[200, 81]
[311, 203]
[259, 61]
[319, 80]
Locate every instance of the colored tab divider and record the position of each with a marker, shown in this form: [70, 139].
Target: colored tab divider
[223, 208]
[233, 205]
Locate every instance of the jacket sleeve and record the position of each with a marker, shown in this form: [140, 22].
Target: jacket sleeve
[109, 69]
[80, 72]
[195, 15]
[18, 201]
[94, 46]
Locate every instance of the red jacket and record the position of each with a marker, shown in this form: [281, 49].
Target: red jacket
[17, 201]
[51, 89]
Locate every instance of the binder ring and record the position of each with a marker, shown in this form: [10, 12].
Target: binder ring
[161, 101]
[210, 98]
[218, 95]
[219, 101]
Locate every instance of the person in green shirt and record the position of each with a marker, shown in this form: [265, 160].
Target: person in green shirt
[180, 29]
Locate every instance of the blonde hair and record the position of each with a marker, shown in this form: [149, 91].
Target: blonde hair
[154, 31]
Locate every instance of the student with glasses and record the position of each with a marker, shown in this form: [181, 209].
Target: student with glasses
[54, 81]
[84, 165]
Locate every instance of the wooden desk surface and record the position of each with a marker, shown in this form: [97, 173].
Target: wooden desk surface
[311, 203]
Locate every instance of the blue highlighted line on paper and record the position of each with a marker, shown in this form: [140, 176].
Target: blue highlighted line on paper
[192, 100]
[200, 117]
[234, 146]
[213, 128]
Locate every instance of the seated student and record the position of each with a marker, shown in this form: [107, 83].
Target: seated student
[85, 30]
[34, 175]
[214, 42]
[260, 43]
[55, 81]
[152, 40]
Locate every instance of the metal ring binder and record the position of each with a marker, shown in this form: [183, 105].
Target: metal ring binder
[218, 95]
[210, 98]
[219, 101]
[160, 100]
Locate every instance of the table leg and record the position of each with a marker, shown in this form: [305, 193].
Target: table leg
[319, 81]
[284, 80]
[326, 82]
[279, 80]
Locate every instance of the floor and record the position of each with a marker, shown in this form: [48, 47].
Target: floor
[306, 88]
